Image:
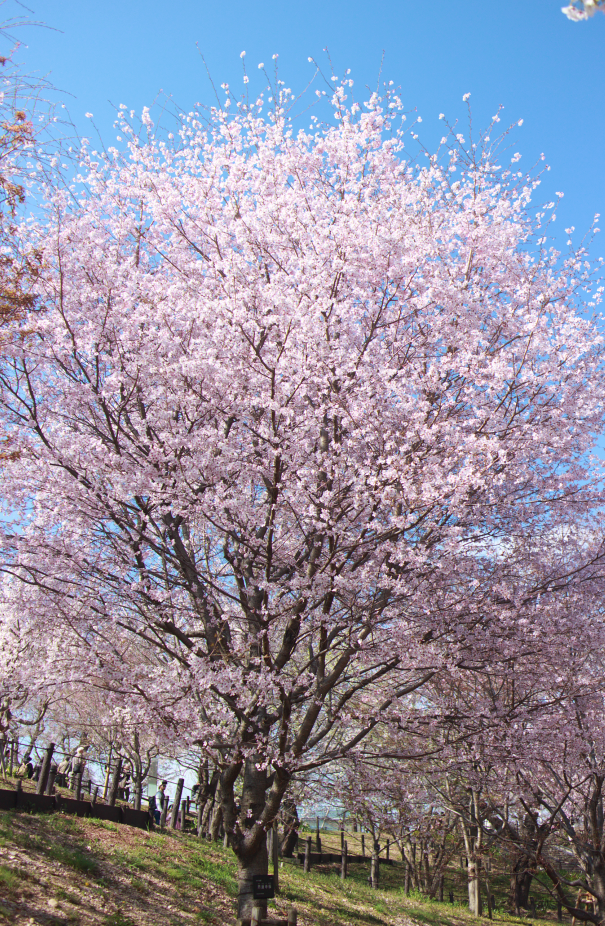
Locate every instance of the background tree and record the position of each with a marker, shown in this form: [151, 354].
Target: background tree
[29, 145]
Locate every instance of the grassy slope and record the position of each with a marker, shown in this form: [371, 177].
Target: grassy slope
[62, 870]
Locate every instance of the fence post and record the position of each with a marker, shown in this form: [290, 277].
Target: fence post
[388, 853]
[183, 814]
[292, 917]
[343, 860]
[43, 777]
[363, 845]
[177, 803]
[51, 779]
[115, 782]
[317, 836]
[308, 844]
[95, 795]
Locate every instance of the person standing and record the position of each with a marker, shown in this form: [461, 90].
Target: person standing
[161, 794]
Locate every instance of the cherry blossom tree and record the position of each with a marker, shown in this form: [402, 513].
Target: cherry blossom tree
[290, 396]
[533, 764]
[557, 768]
[392, 798]
[490, 738]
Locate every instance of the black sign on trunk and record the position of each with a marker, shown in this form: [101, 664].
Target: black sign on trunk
[263, 887]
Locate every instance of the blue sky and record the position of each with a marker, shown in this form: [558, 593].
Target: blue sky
[523, 54]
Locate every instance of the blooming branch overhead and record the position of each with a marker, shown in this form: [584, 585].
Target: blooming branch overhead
[579, 10]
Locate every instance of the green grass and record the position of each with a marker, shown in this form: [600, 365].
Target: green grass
[62, 894]
[138, 872]
[75, 858]
[118, 919]
[9, 879]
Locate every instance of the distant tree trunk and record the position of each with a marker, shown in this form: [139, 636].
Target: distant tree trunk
[474, 885]
[375, 867]
[426, 871]
[291, 824]
[137, 780]
[520, 884]
[472, 834]
[217, 819]
[206, 796]
[205, 816]
[597, 883]
[107, 772]
[523, 868]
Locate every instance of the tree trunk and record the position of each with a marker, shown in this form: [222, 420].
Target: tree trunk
[251, 852]
[520, 885]
[209, 797]
[137, 784]
[176, 806]
[472, 834]
[291, 824]
[275, 855]
[597, 883]
[206, 816]
[375, 868]
[426, 872]
[474, 886]
[113, 791]
[217, 819]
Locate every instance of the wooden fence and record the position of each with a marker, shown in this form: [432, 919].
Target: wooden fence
[27, 801]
